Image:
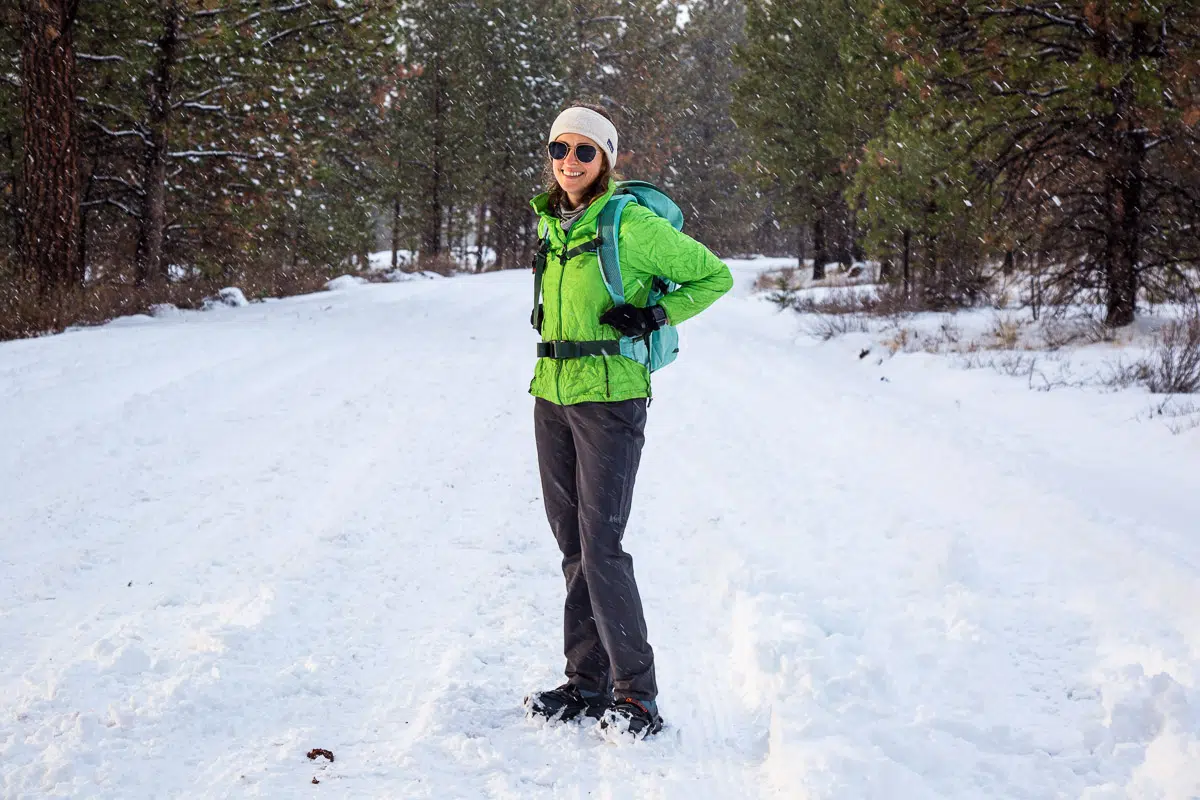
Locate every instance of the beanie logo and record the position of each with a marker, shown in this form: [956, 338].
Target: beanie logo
[610, 146]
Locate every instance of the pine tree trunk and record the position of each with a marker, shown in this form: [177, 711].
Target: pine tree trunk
[503, 231]
[81, 256]
[153, 223]
[1124, 245]
[431, 233]
[1127, 181]
[396, 233]
[820, 252]
[907, 264]
[50, 210]
[12, 193]
[481, 222]
[1035, 289]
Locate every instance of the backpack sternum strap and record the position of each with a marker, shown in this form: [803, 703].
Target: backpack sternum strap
[586, 247]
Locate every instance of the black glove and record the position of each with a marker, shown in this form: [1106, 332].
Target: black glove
[632, 321]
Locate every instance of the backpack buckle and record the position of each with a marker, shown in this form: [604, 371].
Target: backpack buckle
[559, 350]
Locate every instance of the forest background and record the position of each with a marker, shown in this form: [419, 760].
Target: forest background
[155, 151]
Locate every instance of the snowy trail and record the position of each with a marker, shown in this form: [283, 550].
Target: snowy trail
[228, 538]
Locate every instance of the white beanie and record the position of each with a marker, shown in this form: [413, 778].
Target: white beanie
[594, 126]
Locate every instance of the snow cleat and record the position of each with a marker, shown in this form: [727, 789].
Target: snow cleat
[630, 717]
[566, 703]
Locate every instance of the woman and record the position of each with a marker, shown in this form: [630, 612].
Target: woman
[590, 415]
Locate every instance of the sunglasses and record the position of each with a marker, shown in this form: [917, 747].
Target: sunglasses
[586, 153]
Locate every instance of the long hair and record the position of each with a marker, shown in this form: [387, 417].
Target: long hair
[558, 198]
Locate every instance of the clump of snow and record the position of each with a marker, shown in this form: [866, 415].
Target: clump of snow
[230, 296]
[126, 321]
[345, 282]
[165, 310]
[400, 276]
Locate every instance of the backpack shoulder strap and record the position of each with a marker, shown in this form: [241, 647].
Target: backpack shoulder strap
[539, 269]
[610, 255]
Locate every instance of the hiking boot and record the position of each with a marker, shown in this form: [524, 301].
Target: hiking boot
[636, 717]
[566, 702]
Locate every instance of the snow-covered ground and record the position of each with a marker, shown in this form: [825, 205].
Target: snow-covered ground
[230, 537]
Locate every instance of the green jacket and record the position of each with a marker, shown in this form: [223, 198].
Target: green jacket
[574, 297]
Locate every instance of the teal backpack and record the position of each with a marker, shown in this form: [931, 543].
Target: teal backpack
[657, 349]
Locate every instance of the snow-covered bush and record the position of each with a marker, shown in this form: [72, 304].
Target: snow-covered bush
[229, 296]
[1175, 365]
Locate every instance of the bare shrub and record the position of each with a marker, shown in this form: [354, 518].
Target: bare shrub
[23, 313]
[1005, 333]
[891, 301]
[443, 264]
[1175, 366]
[828, 326]
[1180, 415]
[835, 301]
[949, 330]
[1095, 330]
[776, 279]
[1120, 375]
[902, 341]
[1016, 365]
[1058, 333]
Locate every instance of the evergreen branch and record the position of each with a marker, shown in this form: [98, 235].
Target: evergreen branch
[121, 134]
[198, 97]
[1075, 23]
[219, 154]
[321, 23]
[200, 107]
[276, 10]
[128, 115]
[138, 190]
[213, 12]
[108, 201]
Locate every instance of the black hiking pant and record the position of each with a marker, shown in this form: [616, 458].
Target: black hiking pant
[588, 456]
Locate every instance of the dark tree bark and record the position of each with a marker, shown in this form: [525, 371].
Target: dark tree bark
[50, 203]
[481, 219]
[907, 265]
[153, 223]
[396, 233]
[820, 248]
[12, 193]
[1125, 187]
[431, 230]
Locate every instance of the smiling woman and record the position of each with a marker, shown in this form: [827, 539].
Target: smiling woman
[592, 402]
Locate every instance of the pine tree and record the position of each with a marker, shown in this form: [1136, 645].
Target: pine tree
[49, 204]
[785, 100]
[1080, 117]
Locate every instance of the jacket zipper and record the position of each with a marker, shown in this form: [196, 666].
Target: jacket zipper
[562, 272]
